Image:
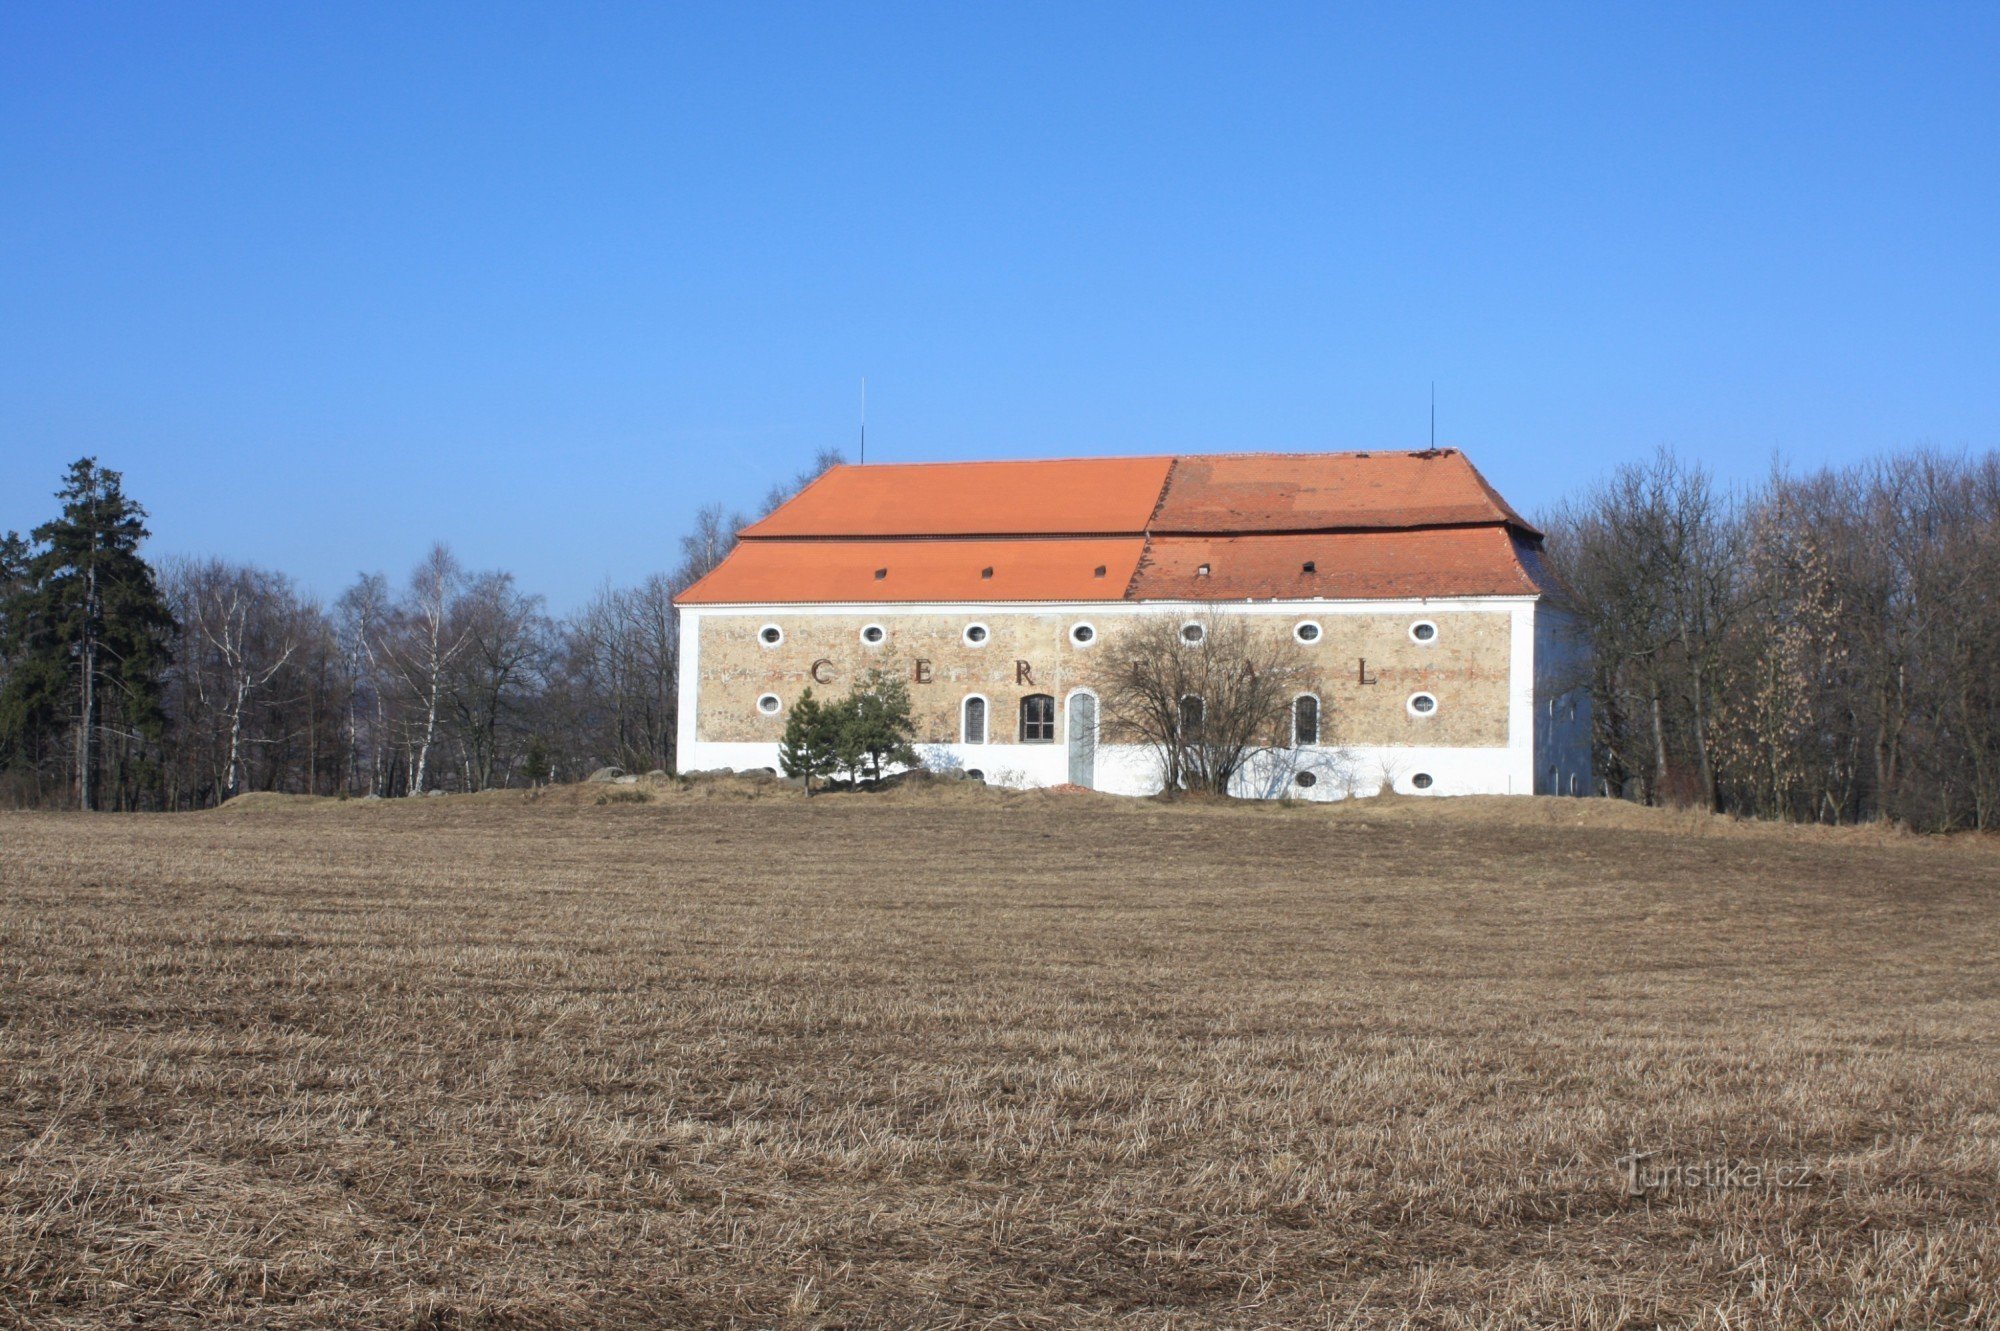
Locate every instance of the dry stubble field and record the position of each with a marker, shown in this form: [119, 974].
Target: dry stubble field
[961, 1058]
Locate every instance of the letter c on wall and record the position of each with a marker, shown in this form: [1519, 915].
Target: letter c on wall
[822, 664]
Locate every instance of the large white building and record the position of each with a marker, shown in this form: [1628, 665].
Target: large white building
[1442, 664]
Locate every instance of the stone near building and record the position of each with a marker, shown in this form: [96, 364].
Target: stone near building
[998, 589]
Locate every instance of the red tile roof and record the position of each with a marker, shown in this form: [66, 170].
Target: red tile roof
[1079, 497]
[1439, 561]
[1371, 524]
[1327, 492]
[810, 571]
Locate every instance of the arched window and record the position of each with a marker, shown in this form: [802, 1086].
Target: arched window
[1305, 719]
[1038, 719]
[975, 720]
[1192, 712]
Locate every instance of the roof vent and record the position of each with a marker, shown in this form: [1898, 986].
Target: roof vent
[1309, 567]
[881, 573]
[1098, 572]
[986, 572]
[1201, 572]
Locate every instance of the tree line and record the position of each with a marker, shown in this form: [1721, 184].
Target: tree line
[1822, 646]
[130, 686]
[1819, 646]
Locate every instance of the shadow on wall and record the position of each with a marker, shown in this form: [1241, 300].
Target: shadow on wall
[1316, 774]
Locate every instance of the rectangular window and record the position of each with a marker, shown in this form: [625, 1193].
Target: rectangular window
[1038, 719]
[975, 720]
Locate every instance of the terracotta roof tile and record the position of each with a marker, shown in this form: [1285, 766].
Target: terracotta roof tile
[1083, 496]
[1328, 491]
[1446, 561]
[796, 572]
[1371, 524]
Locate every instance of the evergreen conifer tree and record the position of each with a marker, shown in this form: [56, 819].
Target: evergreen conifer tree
[84, 633]
[807, 748]
[876, 725]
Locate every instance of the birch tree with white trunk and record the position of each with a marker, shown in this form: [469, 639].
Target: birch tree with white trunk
[421, 650]
[246, 618]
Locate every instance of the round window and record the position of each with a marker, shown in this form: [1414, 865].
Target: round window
[1193, 633]
[1307, 631]
[1082, 635]
[768, 704]
[974, 774]
[1305, 780]
[975, 634]
[770, 635]
[1423, 631]
[873, 634]
[1422, 704]
[1422, 781]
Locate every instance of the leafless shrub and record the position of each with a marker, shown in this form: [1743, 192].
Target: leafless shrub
[1204, 694]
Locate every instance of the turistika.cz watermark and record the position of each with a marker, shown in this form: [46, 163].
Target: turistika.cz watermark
[1642, 1176]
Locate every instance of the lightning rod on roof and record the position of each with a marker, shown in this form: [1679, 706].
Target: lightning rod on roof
[864, 420]
[1434, 413]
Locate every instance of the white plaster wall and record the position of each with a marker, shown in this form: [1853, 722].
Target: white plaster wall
[1124, 769]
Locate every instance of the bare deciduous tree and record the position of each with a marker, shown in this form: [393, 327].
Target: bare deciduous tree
[239, 627]
[1819, 647]
[420, 649]
[361, 619]
[1205, 695]
[492, 681]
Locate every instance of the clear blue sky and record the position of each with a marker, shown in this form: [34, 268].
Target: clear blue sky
[330, 282]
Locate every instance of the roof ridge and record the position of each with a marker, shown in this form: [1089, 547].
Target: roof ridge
[1425, 453]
